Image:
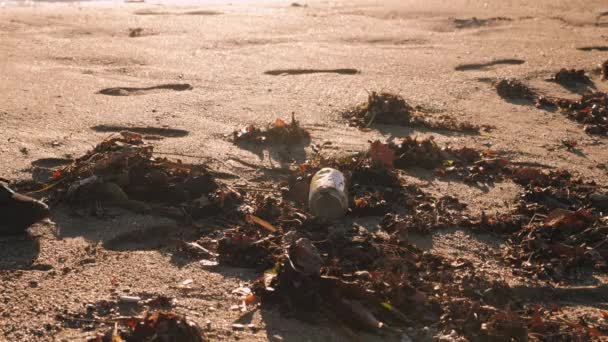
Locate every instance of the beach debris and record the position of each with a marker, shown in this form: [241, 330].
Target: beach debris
[514, 89]
[381, 108]
[278, 133]
[162, 326]
[122, 171]
[604, 70]
[262, 223]
[246, 248]
[18, 211]
[571, 77]
[591, 110]
[382, 154]
[328, 197]
[129, 299]
[390, 109]
[376, 280]
[373, 278]
[557, 228]
[304, 257]
[136, 32]
[467, 164]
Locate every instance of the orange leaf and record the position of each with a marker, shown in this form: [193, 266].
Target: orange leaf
[56, 174]
[261, 222]
[383, 154]
[251, 299]
[360, 202]
[280, 123]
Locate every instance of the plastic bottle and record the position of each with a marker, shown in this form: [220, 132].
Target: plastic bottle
[328, 198]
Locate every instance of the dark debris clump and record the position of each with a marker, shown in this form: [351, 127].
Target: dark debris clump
[467, 164]
[571, 77]
[591, 110]
[122, 171]
[514, 89]
[390, 109]
[279, 133]
[381, 108]
[557, 228]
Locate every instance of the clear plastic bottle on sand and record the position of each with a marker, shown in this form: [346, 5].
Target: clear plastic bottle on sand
[328, 198]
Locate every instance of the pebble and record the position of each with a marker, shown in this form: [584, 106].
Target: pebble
[129, 299]
[238, 326]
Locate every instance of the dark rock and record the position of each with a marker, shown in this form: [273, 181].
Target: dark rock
[18, 212]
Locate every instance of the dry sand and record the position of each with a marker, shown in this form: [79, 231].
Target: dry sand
[56, 58]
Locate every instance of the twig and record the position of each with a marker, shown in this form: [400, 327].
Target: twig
[371, 121]
[49, 187]
[262, 223]
[251, 188]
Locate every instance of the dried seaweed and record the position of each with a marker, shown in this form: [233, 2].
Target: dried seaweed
[571, 77]
[514, 89]
[591, 110]
[122, 171]
[390, 109]
[278, 133]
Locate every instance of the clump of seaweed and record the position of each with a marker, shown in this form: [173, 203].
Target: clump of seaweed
[278, 133]
[391, 109]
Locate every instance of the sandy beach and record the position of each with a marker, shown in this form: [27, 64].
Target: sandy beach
[71, 74]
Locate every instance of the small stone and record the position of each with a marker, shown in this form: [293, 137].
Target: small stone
[129, 299]
[33, 284]
[277, 338]
[238, 326]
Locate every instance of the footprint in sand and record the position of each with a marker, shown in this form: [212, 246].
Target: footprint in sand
[282, 72]
[594, 47]
[131, 91]
[152, 131]
[197, 12]
[484, 66]
[476, 22]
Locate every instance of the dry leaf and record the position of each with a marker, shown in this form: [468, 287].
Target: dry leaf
[383, 154]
